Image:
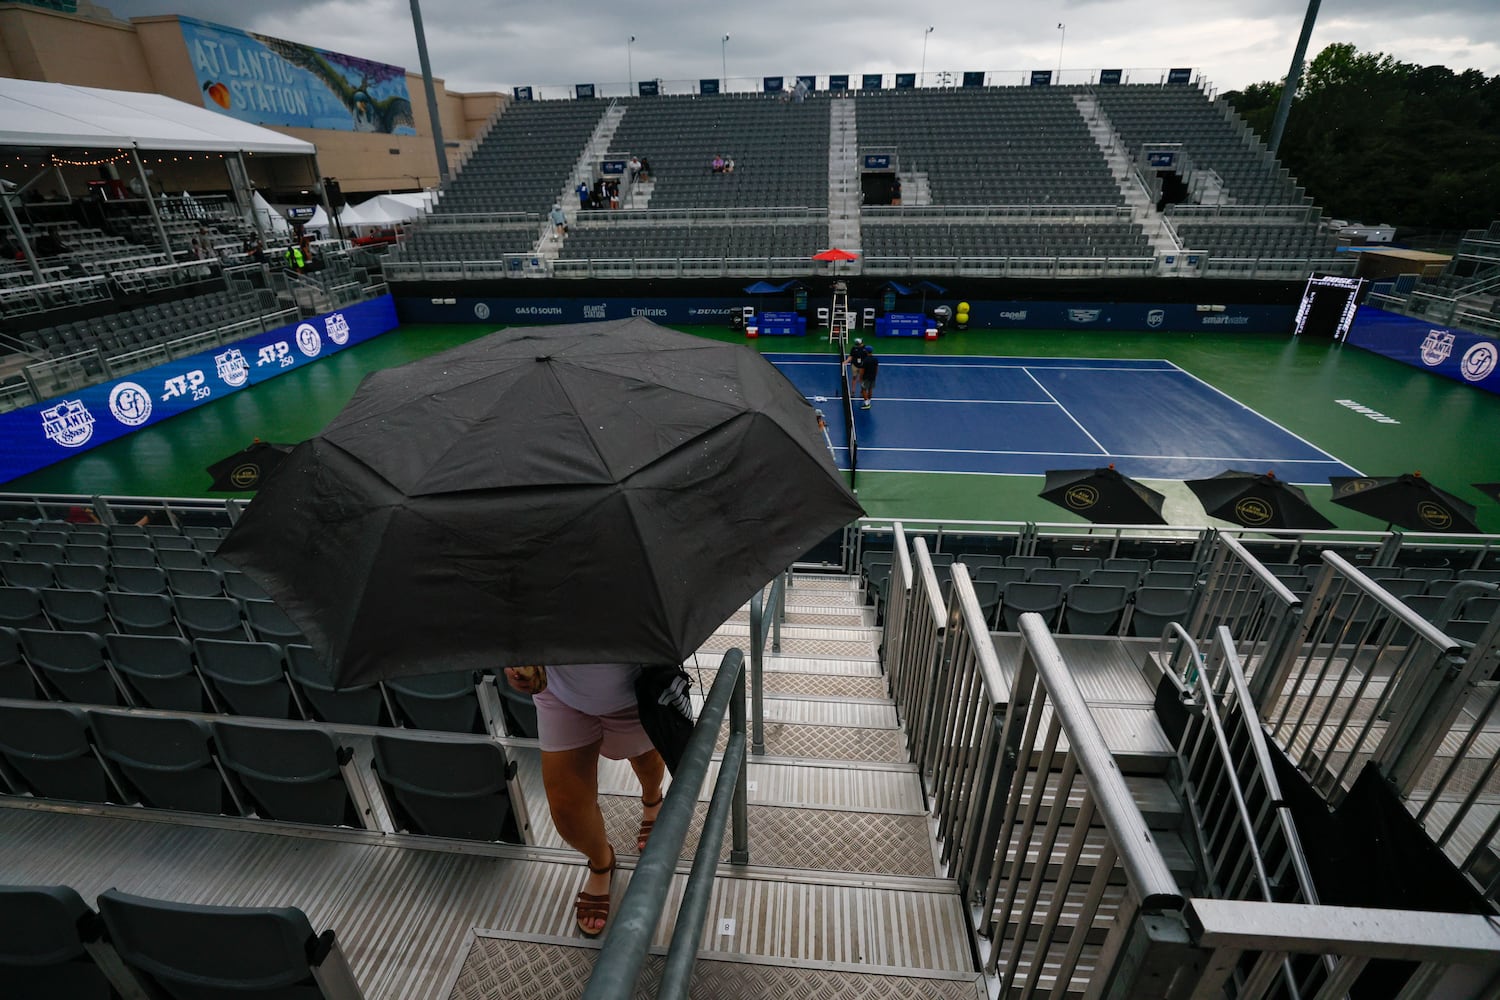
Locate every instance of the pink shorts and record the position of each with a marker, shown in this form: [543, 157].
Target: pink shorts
[562, 727]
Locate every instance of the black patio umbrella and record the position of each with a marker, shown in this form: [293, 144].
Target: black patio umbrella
[1257, 500]
[1407, 500]
[245, 469]
[1104, 496]
[593, 493]
[1491, 490]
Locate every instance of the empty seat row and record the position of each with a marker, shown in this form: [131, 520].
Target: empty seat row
[227, 677]
[196, 617]
[53, 946]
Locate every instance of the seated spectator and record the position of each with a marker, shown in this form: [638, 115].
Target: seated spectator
[645, 173]
[729, 164]
[717, 164]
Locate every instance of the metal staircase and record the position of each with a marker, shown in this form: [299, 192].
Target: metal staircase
[844, 196]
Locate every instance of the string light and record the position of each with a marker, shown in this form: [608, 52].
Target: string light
[60, 161]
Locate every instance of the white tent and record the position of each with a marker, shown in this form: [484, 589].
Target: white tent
[394, 208]
[58, 114]
[270, 220]
[350, 217]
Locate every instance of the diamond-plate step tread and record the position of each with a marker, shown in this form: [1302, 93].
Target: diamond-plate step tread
[831, 742]
[816, 839]
[793, 644]
[816, 685]
[505, 969]
[819, 616]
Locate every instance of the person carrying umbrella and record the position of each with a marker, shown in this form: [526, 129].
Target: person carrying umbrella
[583, 712]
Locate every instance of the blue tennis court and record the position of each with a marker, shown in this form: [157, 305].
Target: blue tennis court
[1022, 416]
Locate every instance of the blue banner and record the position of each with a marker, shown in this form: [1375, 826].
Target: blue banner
[270, 81]
[583, 90]
[649, 88]
[1179, 76]
[906, 81]
[780, 324]
[1041, 78]
[839, 81]
[61, 428]
[877, 161]
[902, 325]
[974, 78]
[1110, 77]
[1125, 317]
[871, 81]
[1457, 354]
[708, 86]
[521, 93]
[1161, 160]
[774, 84]
[612, 167]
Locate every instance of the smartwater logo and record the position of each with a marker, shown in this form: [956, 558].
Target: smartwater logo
[539, 311]
[1226, 320]
[594, 312]
[1015, 315]
[648, 312]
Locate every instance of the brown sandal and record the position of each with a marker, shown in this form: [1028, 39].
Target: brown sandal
[588, 906]
[647, 825]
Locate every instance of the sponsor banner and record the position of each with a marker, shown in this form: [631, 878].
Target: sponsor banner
[1180, 75]
[1110, 77]
[1452, 353]
[584, 91]
[871, 81]
[62, 427]
[901, 325]
[838, 81]
[649, 88]
[1161, 160]
[1041, 77]
[774, 84]
[974, 78]
[877, 161]
[521, 93]
[270, 81]
[1125, 317]
[708, 86]
[906, 81]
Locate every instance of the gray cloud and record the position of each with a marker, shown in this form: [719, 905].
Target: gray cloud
[494, 46]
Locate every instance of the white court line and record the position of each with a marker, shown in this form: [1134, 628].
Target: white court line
[1299, 437]
[939, 360]
[1014, 475]
[1008, 402]
[1090, 454]
[1102, 450]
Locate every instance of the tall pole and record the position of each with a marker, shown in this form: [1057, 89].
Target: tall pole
[724, 61]
[1062, 38]
[432, 105]
[15, 225]
[923, 72]
[1293, 77]
[161, 230]
[629, 69]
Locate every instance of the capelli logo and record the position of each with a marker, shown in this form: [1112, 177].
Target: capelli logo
[1015, 315]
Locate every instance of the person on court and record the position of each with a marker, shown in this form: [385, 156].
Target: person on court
[856, 360]
[867, 374]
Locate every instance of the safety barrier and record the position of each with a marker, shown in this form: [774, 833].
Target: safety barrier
[914, 677]
[767, 612]
[1259, 610]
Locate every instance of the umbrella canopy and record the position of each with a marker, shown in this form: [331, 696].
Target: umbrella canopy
[1491, 490]
[1257, 500]
[1406, 500]
[1103, 496]
[593, 493]
[247, 468]
[835, 254]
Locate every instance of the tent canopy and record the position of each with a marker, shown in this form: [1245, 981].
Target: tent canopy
[58, 114]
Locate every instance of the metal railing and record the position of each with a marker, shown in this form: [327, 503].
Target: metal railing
[1260, 611]
[877, 214]
[634, 922]
[1370, 680]
[1021, 819]
[914, 677]
[767, 612]
[23, 299]
[1247, 213]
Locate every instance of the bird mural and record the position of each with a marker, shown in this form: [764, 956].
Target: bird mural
[335, 71]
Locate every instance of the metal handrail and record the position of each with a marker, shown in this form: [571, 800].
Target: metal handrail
[634, 922]
[761, 625]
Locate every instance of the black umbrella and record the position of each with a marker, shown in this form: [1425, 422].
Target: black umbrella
[247, 468]
[594, 493]
[1491, 490]
[1257, 500]
[1103, 496]
[1406, 500]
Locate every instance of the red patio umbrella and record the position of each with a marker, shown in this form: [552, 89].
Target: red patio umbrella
[835, 254]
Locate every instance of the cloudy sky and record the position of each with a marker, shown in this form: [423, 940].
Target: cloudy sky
[553, 43]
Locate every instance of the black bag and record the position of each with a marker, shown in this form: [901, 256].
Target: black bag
[661, 693]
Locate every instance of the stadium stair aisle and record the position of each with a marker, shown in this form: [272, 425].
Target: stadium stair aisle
[843, 894]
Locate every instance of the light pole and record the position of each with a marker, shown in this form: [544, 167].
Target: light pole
[1062, 38]
[724, 61]
[629, 68]
[923, 71]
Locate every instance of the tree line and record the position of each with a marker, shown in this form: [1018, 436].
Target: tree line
[1377, 140]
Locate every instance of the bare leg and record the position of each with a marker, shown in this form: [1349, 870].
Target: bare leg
[571, 778]
[649, 770]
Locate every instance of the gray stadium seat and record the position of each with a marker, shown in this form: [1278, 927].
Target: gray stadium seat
[246, 678]
[166, 762]
[158, 672]
[16, 678]
[268, 623]
[140, 579]
[1092, 609]
[44, 934]
[446, 789]
[292, 775]
[191, 952]
[437, 701]
[47, 748]
[359, 706]
[76, 610]
[81, 576]
[1019, 598]
[142, 614]
[21, 607]
[210, 618]
[73, 665]
[1154, 607]
[23, 573]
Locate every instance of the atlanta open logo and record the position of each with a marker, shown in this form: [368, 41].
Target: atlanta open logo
[1253, 511]
[1434, 515]
[1081, 497]
[1436, 348]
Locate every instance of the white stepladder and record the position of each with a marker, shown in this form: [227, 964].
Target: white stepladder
[838, 317]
